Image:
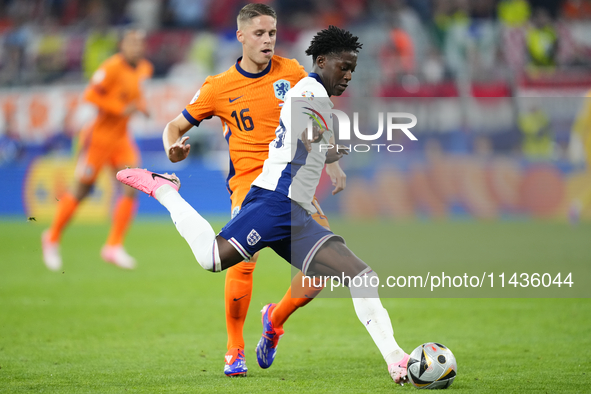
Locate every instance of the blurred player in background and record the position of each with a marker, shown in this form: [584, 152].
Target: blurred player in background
[115, 89]
[580, 151]
[277, 210]
[248, 99]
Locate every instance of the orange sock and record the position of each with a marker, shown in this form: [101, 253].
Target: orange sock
[288, 304]
[65, 209]
[122, 217]
[238, 292]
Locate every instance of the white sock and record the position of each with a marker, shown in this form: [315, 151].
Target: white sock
[375, 318]
[192, 227]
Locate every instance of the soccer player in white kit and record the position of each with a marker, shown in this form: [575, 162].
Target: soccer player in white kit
[277, 210]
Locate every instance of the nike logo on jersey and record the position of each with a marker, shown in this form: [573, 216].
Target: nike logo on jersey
[232, 100]
[236, 299]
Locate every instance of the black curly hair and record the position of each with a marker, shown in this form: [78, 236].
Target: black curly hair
[331, 41]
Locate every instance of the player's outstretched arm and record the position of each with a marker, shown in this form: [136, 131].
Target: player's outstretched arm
[174, 145]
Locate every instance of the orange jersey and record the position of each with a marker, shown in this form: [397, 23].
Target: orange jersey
[249, 106]
[114, 86]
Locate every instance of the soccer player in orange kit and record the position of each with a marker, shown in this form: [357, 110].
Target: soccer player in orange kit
[115, 89]
[248, 99]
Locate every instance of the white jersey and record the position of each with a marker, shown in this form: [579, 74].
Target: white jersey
[290, 168]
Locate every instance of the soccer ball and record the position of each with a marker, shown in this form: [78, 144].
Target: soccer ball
[432, 366]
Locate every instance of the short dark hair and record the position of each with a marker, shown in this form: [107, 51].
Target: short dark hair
[253, 10]
[331, 41]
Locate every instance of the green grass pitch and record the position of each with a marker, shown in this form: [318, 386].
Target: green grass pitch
[94, 328]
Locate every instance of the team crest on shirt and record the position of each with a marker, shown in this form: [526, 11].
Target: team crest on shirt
[281, 87]
[195, 97]
[253, 237]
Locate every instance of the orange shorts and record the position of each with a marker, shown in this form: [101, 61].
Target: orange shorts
[118, 155]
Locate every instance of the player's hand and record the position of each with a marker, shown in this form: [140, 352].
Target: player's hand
[335, 154]
[337, 176]
[179, 151]
[317, 132]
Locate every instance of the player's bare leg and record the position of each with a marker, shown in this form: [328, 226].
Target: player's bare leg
[216, 254]
[335, 259]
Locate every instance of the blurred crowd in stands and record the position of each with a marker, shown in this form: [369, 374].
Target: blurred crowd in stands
[416, 47]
